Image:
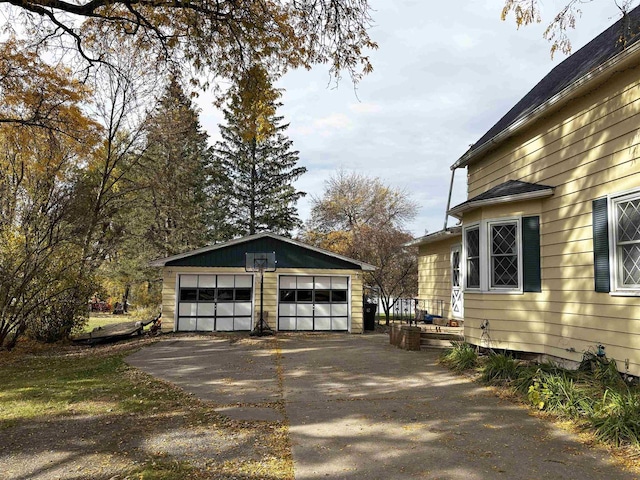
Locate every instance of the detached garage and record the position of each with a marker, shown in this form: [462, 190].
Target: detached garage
[216, 288]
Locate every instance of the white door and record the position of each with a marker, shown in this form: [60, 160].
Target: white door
[313, 303]
[457, 300]
[214, 303]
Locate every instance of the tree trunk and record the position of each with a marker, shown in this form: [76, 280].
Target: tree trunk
[254, 181]
[125, 299]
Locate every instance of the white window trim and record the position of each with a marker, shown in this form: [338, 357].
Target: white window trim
[485, 256]
[457, 247]
[614, 260]
[463, 266]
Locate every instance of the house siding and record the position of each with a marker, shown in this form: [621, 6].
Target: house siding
[588, 149]
[434, 272]
[270, 294]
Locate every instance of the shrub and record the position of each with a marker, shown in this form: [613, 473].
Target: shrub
[54, 320]
[617, 417]
[527, 375]
[462, 356]
[500, 368]
[563, 396]
[601, 369]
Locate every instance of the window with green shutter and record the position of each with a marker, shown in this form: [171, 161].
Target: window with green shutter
[616, 243]
[503, 255]
[532, 280]
[601, 245]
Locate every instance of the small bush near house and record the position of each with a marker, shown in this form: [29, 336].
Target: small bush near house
[617, 417]
[595, 396]
[603, 370]
[559, 392]
[460, 357]
[528, 373]
[499, 368]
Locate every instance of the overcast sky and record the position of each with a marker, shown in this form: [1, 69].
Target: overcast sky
[444, 73]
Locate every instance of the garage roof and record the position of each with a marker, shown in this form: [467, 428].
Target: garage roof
[289, 254]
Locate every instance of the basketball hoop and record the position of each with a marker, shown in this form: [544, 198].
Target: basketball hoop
[261, 262]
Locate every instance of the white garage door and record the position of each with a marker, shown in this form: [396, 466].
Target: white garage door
[214, 303]
[313, 303]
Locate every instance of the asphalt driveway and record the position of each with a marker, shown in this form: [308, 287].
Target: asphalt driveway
[359, 408]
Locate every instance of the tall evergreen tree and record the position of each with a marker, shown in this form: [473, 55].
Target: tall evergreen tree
[258, 158]
[171, 211]
[176, 171]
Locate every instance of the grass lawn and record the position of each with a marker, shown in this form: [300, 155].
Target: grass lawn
[120, 422]
[102, 319]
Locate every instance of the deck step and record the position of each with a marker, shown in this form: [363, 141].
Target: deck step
[439, 340]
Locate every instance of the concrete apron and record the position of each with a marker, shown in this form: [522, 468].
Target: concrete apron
[359, 408]
[236, 376]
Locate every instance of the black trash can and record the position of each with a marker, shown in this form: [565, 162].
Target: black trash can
[370, 316]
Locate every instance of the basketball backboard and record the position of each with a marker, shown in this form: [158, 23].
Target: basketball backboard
[260, 262]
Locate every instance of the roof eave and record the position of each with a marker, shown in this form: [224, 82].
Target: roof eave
[543, 108]
[457, 211]
[434, 237]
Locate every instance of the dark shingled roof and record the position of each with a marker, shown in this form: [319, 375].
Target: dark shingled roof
[599, 50]
[510, 189]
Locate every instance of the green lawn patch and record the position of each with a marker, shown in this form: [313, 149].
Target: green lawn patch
[127, 422]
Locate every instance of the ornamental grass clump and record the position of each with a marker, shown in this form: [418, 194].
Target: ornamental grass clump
[561, 394]
[617, 417]
[602, 370]
[595, 395]
[499, 368]
[460, 357]
[529, 373]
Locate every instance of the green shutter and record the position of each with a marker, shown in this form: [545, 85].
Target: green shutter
[531, 254]
[601, 245]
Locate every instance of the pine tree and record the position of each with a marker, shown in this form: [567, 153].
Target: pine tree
[177, 171]
[258, 158]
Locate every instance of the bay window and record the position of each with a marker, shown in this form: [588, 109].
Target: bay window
[502, 255]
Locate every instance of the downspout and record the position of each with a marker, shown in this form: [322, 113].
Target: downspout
[446, 212]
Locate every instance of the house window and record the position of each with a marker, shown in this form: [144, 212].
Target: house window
[504, 255]
[626, 245]
[472, 249]
[493, 256]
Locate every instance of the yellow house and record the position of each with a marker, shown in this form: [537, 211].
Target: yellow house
[219, 288]
[546, 256]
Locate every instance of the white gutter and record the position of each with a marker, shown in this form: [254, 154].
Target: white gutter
[542, 109]
[434, 237]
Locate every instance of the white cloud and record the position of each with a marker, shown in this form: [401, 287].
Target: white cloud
[323, 127]
[443, 75]
[365, 107]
